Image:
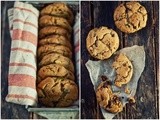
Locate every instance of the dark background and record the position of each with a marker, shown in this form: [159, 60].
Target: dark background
[96, 14]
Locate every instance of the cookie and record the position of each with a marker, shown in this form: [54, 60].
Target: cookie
[102, 42]
[114, 104]
[107, 100]
[123, 68]
[53, 48]
[49, 30]
[59, 59]
[47, 20]
[130, 17]
[55, 39]
[103, 94]
[58, 9]
[52, 70]
[57, 92]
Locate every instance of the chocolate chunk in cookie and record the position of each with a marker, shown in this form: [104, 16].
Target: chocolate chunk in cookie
[114, 104]
[103, 94]
[107, 99]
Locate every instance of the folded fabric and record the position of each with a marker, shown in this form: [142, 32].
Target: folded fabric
[23, 23]
[76, 33]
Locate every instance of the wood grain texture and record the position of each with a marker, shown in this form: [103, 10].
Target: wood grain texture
[96, 14]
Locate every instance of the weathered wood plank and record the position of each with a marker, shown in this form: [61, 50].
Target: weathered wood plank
[145, 96]
[156, 46]
[88, 106]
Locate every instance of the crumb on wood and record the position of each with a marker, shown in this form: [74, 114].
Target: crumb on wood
[131, 100]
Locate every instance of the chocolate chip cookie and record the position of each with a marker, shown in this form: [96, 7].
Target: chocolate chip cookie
[49, 30]
[123, 68]
[53, 48]
[58, 9]
[47, 20]
[55, 70]
[57, 92]
[130, 17]
[55, 58]
[55, 39]
[107, 99]
[114, 104]
[102, 42]
[103, 94]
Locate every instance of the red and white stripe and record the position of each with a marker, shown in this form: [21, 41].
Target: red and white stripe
[21, 35]
[27, 8]
[24, 45]
[27, 70]
[25, 26]
[77, 45]
[23, 23]
[28, 96]
[22, 56]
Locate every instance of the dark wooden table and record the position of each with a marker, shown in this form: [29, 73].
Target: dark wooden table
[96, 14]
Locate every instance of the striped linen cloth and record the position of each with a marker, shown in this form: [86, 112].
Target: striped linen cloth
[23, 23]
[77, 44]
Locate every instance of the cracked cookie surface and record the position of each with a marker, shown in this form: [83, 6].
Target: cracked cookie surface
[58, 9]
[123, 68]
[49, 30]
[55, 39]
[57, 92]
[47, 20]
[55, 58]
[107, 99]
[130, 17]
[53, 70]
[46, 49]
[102, 42]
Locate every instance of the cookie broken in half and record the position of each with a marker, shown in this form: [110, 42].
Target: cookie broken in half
[107, 99]
[123, 68]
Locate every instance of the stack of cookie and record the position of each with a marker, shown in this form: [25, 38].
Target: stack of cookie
[56, 86]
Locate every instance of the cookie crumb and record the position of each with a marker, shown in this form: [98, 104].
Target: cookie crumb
[104, 78]
[127, 90]
[131, 100]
